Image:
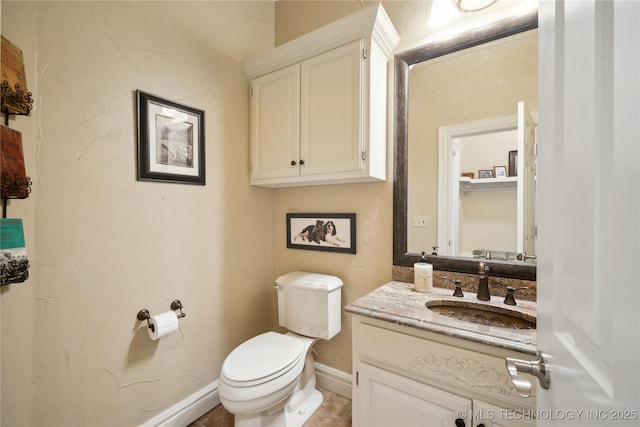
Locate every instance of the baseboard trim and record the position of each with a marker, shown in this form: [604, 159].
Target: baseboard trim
[202, 401]
[189, 409]
[334, 380]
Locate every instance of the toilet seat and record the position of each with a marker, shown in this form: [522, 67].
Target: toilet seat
[262, 359]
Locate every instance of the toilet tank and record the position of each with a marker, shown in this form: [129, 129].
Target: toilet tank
[310, 304]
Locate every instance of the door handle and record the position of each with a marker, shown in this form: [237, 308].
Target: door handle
[537, 368]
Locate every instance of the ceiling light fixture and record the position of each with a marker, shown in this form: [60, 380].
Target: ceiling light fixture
[472, 5]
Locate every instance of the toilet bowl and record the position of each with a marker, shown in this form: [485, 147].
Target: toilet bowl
[270, 380]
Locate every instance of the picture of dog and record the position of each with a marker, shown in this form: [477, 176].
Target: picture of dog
[331, 234]
[321, 232]
[318, 233]
[313, 233]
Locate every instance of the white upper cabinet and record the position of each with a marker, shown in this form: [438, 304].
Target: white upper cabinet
[319, 105]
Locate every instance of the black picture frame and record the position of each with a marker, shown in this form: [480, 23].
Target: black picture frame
[513, 163]
[170, 141]
[314, 232]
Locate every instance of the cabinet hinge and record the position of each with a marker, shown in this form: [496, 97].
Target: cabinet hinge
[251, 91]
[364, 53]
[250, 167]
[357, 375]
[364, 154]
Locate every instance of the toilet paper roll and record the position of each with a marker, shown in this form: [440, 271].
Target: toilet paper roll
[163, 324]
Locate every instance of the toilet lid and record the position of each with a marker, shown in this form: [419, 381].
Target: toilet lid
[262, 358]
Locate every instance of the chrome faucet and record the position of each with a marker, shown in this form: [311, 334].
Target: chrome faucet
[483, 282]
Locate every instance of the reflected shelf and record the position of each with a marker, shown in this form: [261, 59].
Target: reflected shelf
[488, 184]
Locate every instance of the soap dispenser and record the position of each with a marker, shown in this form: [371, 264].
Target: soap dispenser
[423, 275]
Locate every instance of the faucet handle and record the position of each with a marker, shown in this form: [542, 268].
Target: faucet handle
[483, 269]
[509, 299]
[522, 256]
[458, 284]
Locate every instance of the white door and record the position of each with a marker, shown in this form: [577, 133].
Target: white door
[526, 198]
[589, 211]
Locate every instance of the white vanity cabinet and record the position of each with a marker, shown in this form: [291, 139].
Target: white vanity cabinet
[408, 377]
[318, 105]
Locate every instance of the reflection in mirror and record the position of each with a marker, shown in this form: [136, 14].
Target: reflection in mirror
[443, 90]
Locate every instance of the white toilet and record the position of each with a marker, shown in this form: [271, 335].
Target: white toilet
[270, 379]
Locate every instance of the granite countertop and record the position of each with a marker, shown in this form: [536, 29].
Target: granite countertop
[397, 302]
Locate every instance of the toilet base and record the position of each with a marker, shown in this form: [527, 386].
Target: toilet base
[304, 401]
[300, 416]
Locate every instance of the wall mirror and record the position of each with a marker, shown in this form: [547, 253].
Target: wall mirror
[431, 110]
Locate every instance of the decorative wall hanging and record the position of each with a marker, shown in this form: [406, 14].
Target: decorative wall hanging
[170, 141]
[14, 183]
[14, 266]
[16, 99]
[322, 232]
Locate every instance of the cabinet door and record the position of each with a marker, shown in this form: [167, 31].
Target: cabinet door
[383, 398]
[275, 124]
[489, 415]
[331, 130]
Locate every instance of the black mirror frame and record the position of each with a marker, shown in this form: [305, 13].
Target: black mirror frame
[402, 62]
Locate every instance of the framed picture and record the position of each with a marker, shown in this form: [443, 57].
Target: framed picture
[513, 163]
[500, 171]
[485, 174]
[322, 232]
[170, 141]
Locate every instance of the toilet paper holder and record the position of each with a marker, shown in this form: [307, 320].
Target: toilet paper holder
[145, 315]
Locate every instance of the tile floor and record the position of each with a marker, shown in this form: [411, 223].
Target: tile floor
[335, 411]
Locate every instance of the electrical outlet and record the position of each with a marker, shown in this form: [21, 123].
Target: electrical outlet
[420, 221]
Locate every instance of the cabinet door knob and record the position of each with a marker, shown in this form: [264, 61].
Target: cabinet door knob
[460, 422]
[293, 162]
[480, 425]
[302, 162]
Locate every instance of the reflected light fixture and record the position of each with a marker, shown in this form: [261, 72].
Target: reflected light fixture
[472, 5]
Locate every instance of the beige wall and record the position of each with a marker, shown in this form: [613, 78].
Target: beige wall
[102, 245]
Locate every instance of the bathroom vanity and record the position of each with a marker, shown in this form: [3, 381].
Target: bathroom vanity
[413, 366]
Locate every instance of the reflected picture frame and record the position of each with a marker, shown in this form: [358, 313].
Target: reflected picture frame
[499, 171]
[171, 137]
[513, 163]
[485, 173]
[328, 232]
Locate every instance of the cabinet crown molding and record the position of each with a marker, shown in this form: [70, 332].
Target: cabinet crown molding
[372, 22]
